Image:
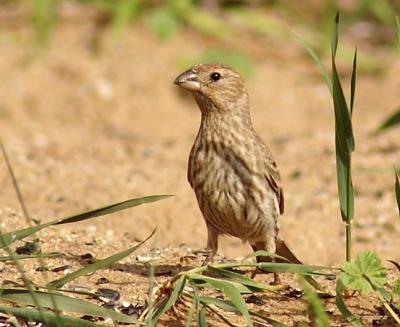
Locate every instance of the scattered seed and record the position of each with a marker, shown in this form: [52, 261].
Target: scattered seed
[87, 317]
[27, 248]
[109, 293]
[42, 268]
[102, 280]
[61, 268]
[296, 293]
[325, 295]
[254, 300]
[88, 258]
[330, 277]
[133, 310]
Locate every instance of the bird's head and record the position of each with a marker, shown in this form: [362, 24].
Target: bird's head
[214, 85]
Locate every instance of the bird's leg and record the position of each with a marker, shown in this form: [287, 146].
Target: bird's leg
[270, 247]
[212, 246]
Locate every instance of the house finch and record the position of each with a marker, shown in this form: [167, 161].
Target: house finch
[232, 172]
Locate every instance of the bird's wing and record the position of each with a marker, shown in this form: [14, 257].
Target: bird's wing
[273, 177]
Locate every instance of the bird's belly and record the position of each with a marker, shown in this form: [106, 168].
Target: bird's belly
[233, 199]
[227, 205]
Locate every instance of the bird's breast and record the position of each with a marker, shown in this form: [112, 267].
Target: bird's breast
[227, 191]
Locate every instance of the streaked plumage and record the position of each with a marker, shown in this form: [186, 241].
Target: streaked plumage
[232, 172]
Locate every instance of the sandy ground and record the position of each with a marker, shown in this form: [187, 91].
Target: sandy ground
[84, 131]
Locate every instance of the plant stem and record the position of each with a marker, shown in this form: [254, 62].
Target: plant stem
[389, 309]
[350, 209]
[348, 241]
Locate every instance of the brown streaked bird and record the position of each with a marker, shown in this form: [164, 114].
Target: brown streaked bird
[232, 172]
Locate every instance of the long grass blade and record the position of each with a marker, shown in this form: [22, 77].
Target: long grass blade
[342, 306]
[345, 186]
[292, 268]
[241, 279]
[353, 82]
[31, 256]
[222, 304]
[272, 322]
[231, 292]
[228, 306]
[15, 183]
[335, 35]
[43, 17]
[170, 301]
[96, 265]
[262, 253]
[398, 28]
[11, 237]
[342, 116]
[317, 60]
[48, 317]
[62, 302]
[123, 12]
[397, 190]
[391, 121]
[317, 308]
[201, 317]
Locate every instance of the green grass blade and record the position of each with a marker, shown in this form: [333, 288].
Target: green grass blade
[315, 57]
[201, 317]
[48, 317]
[31, 256]
[96, 265]
[170, 301]
[272, 322]
[397, 190]
[344, 139]
[342, 116]
[43, 18]
[163, 22]
[231, 292]
[111, 208]
[353, 81]
[345, 186]
[228, 306]
[262, 253]
[241, 279]
[123, 12]
[222, 304]
[61, 302]
[206, 23]
[317, 308]
[342, 306]
[194, 307]
[392, 120]
[291, 267]
[8, 238]
[398, 28]
[335, 35]
[204, 280]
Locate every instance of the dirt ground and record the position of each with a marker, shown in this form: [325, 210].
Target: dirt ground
[84, 131]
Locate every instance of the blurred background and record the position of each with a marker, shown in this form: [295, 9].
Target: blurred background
[89, 115]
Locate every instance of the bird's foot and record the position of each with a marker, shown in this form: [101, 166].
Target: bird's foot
[209, 256]
[276, 280]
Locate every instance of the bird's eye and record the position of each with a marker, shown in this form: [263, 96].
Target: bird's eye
[215, 76]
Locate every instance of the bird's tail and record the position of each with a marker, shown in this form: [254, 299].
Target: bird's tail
[284, 251]
[281, 249]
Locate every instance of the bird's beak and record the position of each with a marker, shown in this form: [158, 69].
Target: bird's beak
[188, 80]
